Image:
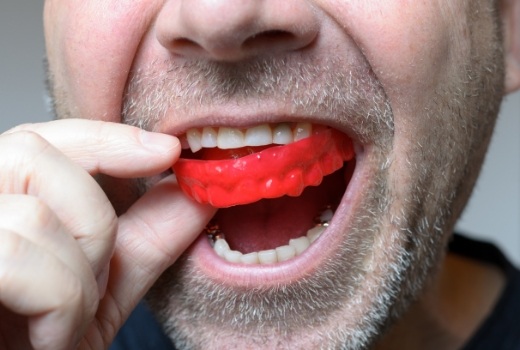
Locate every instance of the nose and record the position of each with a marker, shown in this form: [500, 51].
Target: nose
[232, 30]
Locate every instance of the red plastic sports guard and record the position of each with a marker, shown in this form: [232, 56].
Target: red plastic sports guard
[270, 173]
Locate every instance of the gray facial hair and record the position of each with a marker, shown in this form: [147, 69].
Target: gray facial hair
[194, 310]
[189, 302]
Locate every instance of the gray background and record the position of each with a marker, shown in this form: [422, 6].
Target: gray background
[493, 212]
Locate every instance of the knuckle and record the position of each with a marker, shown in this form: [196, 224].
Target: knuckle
[34, 215]
[104, 131]
[21, 127]
[19, 162]
[25, 138]
[12, 247]
[38, 213]
[24, 152]
[117, 136]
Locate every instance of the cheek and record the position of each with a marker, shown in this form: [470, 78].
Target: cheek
[415, 49]
[90, 47]
[406, 42]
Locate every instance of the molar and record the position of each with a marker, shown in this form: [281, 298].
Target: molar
[315, 232]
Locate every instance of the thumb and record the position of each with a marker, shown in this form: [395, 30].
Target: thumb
[151, 236]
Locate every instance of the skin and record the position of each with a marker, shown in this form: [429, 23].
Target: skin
[74, 263]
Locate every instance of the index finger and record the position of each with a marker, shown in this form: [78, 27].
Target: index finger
[113, 149]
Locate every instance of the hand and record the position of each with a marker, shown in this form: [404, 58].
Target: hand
[71, 271]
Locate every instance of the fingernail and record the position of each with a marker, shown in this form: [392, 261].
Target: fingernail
[158, 143]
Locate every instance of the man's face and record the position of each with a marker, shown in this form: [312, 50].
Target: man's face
[414, 84]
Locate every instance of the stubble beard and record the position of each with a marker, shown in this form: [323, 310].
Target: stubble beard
[200, 314]
[390, 249]
[388, 252]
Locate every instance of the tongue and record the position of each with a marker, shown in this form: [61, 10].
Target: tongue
[270, 223]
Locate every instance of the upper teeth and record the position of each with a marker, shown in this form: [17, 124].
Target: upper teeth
[261, 135]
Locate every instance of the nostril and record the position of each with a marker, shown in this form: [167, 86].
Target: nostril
[268, 37]
[184, 43]
[275, 40]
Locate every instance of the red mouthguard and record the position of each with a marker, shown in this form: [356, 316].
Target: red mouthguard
[271, 173]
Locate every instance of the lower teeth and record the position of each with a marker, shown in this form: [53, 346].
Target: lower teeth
[295, 247]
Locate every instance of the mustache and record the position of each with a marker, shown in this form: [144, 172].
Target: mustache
[332, 87]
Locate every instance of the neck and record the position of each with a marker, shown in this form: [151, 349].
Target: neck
[451, 310]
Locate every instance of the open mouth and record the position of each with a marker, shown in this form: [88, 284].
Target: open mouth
[277, 186]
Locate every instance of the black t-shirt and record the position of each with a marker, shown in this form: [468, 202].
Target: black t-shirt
[500, 331]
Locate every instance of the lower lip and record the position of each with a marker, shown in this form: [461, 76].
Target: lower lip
[235, 275]
[242, 275]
